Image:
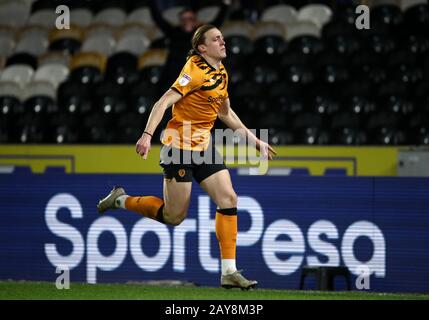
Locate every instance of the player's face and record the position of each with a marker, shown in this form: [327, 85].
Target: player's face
[214, 45]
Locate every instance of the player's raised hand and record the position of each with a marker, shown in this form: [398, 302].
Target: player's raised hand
[266, 150]
[143, 145]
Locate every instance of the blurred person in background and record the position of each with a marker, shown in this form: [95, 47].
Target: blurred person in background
[180, 36]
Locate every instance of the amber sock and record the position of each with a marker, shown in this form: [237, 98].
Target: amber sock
[226, 234]
[148, 206]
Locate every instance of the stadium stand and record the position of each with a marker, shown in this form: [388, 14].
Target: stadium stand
[314, 78]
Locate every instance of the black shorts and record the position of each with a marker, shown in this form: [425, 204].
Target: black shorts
[183, 165]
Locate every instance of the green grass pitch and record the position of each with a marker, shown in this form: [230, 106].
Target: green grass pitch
[48, 291]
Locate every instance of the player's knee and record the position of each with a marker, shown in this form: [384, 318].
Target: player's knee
[174, 218]
[175, 221]
[231, 200]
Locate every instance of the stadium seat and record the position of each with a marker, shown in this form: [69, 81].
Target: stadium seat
[237, 28]
[61, 58]
[122, 68]
[302, 28]
[359, 104]
[65, 44]
[63, 128]
[348, 136]
[11, 95]
[150, 65]
[39, 97]
[405, 4]
[238, 45]
[272, 120]
[325, 276]
[19, 73]
[418, 128]
[140, 15]
[39, 5]
[150, 74]
[108, 98]
[237, 71]
[397, 104]
[390, 88]
[31, 128]
[207, 14]
[416, 18]
[7, 44]
[345, 119]
[96, 129]
[32, 40]
[140, 98]
[280, 137]
[137, 29]
[248, 14]
[81, 17]
[331, 68]
[334, 73]
[172, 15]
[53, 73]
[263, 29]
[14, 13]
[384, 129]
[306, 44]
[323, 103]
[129, 127]
[368, 66]
[69, 40]
[135, 44]
[389, 14]
[298, 73]
[22, 59]
[6, 131]
[264, 74]
[159, 43]
[86, 74]
[137, 4]
[100, 43]
[415, 43]
[2, 63]
[285, 89]
[345, 13]
[309, 129]
[100, 5]
[381, 44]
[99, 30]
[316, 13]
[45, 18]
[238, 37]
[112, 16]
[281, 13]
[74, 97]
[338, 27]
[344, 44]
[269, 41]
[346, 129]
[420, 96]
[87, 67]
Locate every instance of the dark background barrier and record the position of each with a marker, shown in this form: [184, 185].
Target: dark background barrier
[284, 222]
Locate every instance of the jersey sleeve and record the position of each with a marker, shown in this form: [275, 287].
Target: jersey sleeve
[190, 79]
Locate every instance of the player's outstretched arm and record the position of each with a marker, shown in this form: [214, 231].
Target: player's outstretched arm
[230, 118]
[167, 100]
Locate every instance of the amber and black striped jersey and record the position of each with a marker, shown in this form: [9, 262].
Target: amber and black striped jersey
[203, 89]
